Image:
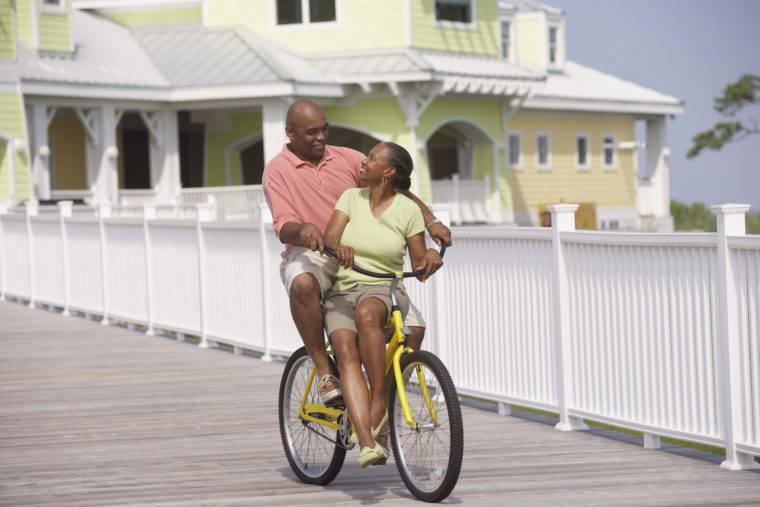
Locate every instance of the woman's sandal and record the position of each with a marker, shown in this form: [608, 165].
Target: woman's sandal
[375, 431]
[371, 455]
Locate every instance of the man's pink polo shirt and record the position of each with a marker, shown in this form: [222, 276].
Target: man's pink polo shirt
[296, 191]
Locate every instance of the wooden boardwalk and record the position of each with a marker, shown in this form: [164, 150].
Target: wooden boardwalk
[97, 415]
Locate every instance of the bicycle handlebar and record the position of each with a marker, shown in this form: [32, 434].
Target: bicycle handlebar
[405, 274]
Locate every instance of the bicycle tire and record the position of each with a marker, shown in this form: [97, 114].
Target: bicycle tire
[313, 450]
[429, 459]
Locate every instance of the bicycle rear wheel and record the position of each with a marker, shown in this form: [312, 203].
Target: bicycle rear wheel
[429, 458]
[313, 450]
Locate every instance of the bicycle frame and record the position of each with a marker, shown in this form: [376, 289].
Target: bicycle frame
[396, 348]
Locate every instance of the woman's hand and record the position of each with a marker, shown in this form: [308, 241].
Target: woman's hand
[431, 263]
[345, 256]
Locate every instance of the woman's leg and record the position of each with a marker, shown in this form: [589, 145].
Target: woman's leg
[352, 382]
[371, 314]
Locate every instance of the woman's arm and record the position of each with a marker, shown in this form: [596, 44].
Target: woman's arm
[417, 251]
[333, 235]
[439, 232]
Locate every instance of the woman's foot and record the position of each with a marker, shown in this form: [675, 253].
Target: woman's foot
[371, 455]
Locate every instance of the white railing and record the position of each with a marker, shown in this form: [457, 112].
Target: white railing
[469, 199]
[74, 195]
[659, 333]
[136, 197]
[230, 203]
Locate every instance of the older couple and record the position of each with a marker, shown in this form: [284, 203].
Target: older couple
[324, 195]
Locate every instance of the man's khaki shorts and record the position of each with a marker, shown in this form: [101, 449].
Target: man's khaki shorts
[340, 306]
[324, 268]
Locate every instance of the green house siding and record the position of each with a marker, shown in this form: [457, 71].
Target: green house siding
[132, 19]
[482, 39]
[12, 126]
[55, 32]
[7, 39]
[218, 145]
[253, 14]
[24, 22]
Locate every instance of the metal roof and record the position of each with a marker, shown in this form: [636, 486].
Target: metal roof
[105, 54]
[577, 82]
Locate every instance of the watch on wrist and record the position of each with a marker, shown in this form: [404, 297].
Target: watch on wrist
[432, 222]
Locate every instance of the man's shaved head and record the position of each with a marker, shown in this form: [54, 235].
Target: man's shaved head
[307, 129]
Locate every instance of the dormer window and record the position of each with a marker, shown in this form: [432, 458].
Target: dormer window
[458, 11]
[292, 12]
[553, 45]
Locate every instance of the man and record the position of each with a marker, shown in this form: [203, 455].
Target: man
[301, 185]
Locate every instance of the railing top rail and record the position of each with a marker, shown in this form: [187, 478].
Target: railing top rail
[210, 190]
[640, 238]
[751, 242]
[539, 233]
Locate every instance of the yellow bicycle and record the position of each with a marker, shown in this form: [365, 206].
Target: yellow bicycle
[424, 415]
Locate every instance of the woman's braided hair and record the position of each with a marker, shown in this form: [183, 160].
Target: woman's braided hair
[401, 161]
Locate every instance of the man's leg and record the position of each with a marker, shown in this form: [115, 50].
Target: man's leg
[306, 309]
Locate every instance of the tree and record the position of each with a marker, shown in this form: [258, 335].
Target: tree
[735, 97]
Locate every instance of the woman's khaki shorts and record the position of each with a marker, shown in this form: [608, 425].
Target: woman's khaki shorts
[340, 306]
[324, 268]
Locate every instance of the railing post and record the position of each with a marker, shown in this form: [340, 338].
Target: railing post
[104, 211]
[265, 219]
[3, 211]
[31, 211]
[563, 219]
[730, 223]
[149, 213]
[64, 211]
[204, 215]
[457, 216]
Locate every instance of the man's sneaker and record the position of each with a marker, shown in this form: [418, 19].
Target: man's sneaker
[329, 390]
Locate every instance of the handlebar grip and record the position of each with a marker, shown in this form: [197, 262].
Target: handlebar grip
[406, 274]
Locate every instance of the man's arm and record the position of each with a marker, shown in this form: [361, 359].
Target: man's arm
[439, 232]
[306, 235]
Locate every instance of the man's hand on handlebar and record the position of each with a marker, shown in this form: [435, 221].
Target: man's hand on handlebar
[440, 234]
[310, 236]
[431, 263]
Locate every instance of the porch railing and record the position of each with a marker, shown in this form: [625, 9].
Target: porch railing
[658, 333]
[230, 203]
[469, 199]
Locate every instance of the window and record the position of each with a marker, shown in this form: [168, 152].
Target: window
[609, 152]
[553, 45]
[505, 25]
[54, 6]
[582, 159]
[459, 11]
[515, 150]
[291, 12]
[543, 151]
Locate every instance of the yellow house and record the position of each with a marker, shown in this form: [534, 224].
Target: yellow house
[137, 100]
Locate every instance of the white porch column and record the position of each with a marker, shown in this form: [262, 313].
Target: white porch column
[657, 202]
[164, 159]
[40, 151]
[273, 128]
[105, 180]
[10, 154]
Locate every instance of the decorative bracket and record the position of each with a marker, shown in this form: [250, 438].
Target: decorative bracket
[414, 99]
[151, 123]
[88, 118]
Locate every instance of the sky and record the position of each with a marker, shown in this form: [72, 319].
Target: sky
[689, 49]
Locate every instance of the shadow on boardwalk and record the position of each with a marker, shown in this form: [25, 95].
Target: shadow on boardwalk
[96, 415]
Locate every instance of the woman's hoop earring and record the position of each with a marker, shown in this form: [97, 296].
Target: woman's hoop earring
[385, 180]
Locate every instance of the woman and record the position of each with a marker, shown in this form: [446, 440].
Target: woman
[373, 226]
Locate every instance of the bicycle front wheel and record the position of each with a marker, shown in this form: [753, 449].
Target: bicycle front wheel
[428, 457]
[313, 450]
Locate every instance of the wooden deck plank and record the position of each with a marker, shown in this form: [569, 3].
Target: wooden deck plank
[99, 415]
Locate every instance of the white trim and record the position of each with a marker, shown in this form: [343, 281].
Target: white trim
[606, 106]
[111, 4]
[361, 130]
[35, 22]
[587, 165]
[458, 25]
[408, 23]
[305, 25]
[614, 165]
[457, 119]
[238, 147]
[548, 165]
[56, 10]
[511, 57]
[520, 152]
